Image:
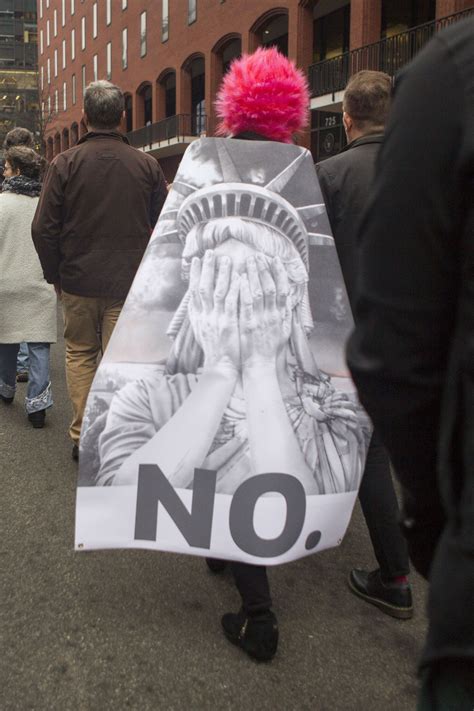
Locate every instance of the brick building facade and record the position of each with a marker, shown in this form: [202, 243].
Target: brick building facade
[170, 55]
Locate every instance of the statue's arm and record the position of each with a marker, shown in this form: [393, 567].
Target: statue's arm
[182, 443]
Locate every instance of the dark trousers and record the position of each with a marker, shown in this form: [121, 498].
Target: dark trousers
[252, 584]
[448, 685]
[380, 508]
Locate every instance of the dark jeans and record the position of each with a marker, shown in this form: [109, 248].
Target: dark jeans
[448, 685]
[380, 508]
[252, 584]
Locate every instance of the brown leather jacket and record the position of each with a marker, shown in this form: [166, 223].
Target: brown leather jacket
[99, 204]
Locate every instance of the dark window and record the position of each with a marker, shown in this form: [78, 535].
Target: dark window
[147, 106]
[128, 113]
[400, 15]
[232, 50]
[198, 88]
[274, 33]
[169, 84]
[331, 34]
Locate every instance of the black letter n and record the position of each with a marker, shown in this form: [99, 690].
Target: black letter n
[153, 487]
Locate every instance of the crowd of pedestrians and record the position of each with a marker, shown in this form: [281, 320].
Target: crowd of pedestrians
[399, 200]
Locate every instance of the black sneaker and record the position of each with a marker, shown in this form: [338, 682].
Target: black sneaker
[392, 598]
[37, 419]
[216, 565]
[22, 376]
[6, 400]
[75, 452]
[257, 635]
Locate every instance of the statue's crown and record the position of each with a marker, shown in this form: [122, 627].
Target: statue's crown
[247, 201]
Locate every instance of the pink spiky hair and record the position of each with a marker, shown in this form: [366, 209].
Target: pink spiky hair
[265, 93]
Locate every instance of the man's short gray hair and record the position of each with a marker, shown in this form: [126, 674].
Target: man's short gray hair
[103, 105]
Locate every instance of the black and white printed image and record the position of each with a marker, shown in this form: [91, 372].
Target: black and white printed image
[228, 354]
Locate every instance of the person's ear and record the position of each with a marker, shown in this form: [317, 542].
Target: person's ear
[347, 121]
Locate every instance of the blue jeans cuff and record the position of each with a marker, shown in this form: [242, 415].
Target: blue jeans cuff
[7, 390]
[40, 402]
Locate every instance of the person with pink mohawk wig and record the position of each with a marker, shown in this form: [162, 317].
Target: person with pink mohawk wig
[262, 97]
[265, 94]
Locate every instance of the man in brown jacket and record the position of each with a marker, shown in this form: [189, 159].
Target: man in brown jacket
[99, 204]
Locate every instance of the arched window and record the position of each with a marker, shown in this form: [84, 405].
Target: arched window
[144, 105]
[272, 31]
[198, 94]
[225, 51]
[57, 144]
[229, 52]
[168, 84]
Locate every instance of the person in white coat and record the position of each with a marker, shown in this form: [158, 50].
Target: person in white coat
[27, 302]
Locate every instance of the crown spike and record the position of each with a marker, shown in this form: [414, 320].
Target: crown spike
[230, 174]
[183, 188]
[278, 184]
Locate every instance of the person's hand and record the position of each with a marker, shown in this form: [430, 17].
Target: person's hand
[265, 312]
[212, 310]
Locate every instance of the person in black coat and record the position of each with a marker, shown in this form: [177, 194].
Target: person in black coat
[412, 351]
[345, 182]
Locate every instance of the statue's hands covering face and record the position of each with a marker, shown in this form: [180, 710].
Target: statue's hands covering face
[265, 312]
[239, 321]
[213, 310]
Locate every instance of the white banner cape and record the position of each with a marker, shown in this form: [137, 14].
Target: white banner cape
[222, 420]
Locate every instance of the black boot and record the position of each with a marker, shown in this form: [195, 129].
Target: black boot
[256, 634]
[216, 565]
[37, 419]
[6, 400]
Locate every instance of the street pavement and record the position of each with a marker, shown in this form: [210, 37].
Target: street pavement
[141, 630]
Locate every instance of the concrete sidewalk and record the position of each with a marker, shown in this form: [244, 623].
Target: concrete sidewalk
[141, 630]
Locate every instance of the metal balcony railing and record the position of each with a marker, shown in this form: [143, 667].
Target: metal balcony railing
[388, 55]
[173, 127]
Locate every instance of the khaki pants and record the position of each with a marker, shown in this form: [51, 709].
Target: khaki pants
[88, 325]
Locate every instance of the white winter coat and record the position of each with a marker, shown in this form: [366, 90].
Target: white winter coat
[27, 301]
